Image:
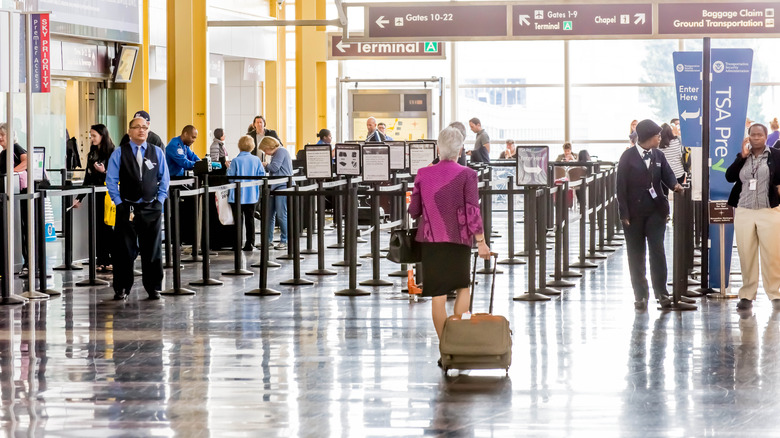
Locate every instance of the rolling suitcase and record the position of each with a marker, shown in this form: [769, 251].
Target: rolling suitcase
[481, 341]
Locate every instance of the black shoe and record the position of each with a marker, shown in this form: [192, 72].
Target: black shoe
[121, 295]
[257, 215]
[687, 300]
[667, 304]
[439, 363]
[154, 295]
[776, 304]
[745, 304]
[641, 304]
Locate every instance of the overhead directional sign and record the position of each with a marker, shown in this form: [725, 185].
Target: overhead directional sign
[436, 20]
[687, 86]
[718, 18]
[582, 20]
[384, 50]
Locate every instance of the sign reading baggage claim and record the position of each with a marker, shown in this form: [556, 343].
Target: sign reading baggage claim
[717, 18]
[384, 50]
[584, 20]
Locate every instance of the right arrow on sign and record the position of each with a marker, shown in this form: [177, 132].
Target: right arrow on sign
[524, 20]
[640, 18]
[686, 115]
[381, 21]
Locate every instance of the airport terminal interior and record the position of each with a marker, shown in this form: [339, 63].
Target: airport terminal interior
[314, 331]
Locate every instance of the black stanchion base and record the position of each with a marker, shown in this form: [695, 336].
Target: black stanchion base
[194, 259]
[595, 256]
[366, 256]
[309, 251]
[288, 257]
[571, 274]
[34, 295]
[262, 292]
[561, 283]
[238, 272]
[51, 292]
[344, 263]
[606, 248]
[678, 307]
[376, 282]
[618, 238]
[206, 282]
[269, 263]
[584, 265]
[385, 249]
[705, 290]
[352, 293]
[521, 254]
[511, 261]
[489, 271]
[692, 294]
[548, 291]
[531, 297]
[398, 273]
[70, 267]
[95, 282]
[12, 300]
[179, 291]
[322, 272]
[361, 240]
[336, 246]
[296, 282]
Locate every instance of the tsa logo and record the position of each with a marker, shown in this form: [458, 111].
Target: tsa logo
[680, 68]
[718, 67]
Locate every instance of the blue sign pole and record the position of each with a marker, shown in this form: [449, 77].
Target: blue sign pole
[688, 88]
[730, 88]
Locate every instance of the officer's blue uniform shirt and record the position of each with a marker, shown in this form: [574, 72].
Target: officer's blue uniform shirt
[112, 173]
[180, 157]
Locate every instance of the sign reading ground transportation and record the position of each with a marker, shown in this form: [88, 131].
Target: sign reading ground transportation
[436, 20]
[318, 161]
[687, 86]
[717, 18]
[384, 50]
[348, 159]
[584, 19]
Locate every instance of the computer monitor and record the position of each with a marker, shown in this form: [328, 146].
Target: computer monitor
[123, 73]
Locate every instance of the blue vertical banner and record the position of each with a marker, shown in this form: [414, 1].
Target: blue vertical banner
[688, 88]
[730, 89]
[35, 32]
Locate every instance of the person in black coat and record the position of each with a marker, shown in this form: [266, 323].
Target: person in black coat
[258, 125]
[644, 209]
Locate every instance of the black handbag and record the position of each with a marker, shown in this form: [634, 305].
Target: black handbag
[403, 247]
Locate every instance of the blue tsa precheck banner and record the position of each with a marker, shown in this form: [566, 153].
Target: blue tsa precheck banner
[688, 88]
[730, 89]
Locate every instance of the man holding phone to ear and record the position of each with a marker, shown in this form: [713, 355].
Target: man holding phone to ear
[643, 210]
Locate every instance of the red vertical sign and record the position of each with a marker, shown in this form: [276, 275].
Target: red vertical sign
[45, 54]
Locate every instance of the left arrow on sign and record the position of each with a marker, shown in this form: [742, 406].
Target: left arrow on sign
[341, 46]
[381, 21]
[524, 20]
[688, 115]
[640, 18]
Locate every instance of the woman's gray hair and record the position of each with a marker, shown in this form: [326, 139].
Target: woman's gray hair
[450, 142]
[12, 138]
[460, 127]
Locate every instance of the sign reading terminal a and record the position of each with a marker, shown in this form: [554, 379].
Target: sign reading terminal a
[383, 50]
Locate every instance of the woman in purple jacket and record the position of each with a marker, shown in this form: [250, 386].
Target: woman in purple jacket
[446, 200]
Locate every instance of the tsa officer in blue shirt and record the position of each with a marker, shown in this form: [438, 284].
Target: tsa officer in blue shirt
[178, 153]
[137, 180]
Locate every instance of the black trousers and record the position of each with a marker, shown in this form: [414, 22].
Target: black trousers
[643, 234]
[143, 235]
[247, 213]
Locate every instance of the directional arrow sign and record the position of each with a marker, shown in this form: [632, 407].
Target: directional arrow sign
[384, 50]
[583, 20]
[688, 88]
[718, 18]
[445, 20]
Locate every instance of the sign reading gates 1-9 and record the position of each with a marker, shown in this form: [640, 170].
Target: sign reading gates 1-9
[532, 163]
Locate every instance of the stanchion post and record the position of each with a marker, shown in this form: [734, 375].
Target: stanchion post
[67, 230]
[310, 219]
[198, 226]
[529, 201]
[293, 229]
[265, 209]
[321, 233]
[40, 227]
[176, 244]
[237, 269]
[566, 272]
[541, 237]
[401, 201]
[350, 249]
[584, 205]
[91, 240]
[168, 232]
[561, 211]
[486, 195]
[679, 272]
[510, 215]
[338, 220]
[375, 253]
[593, 219]
[348, 232]
[206, 246]
[6, 298]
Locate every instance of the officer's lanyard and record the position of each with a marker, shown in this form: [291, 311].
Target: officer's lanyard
[755, 163]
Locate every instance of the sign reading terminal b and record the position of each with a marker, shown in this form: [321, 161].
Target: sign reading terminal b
[717, 18]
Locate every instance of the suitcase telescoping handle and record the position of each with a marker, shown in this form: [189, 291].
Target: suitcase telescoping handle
[494, 256]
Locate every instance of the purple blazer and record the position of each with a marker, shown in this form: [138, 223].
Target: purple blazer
[446, 200]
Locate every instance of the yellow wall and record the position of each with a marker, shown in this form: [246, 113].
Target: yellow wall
[310, 56]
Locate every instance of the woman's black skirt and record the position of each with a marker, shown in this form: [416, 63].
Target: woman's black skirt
[445, 268]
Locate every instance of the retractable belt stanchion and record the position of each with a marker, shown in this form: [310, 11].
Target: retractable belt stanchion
[167, 243]
[682, 221]
[583, 262]
[67, 230]
[349, 231]
[350, 250]
[321, 233]
[293, 218]
[295, 240]
[40, 228]
[487, 220]
[510, 215]
[602, 203]
[561, 216]
[375, 254]
[310, 216]
[237, 269]
[541, 237]
[404, 217]
[197, 232]
[565, 271]
[176, 289]
[91, 240]
[206, 244]
[32, 249]
[338, 221]
[265, 209]
[529, 201]
[592, 219]
[5, 277]
[613, 237]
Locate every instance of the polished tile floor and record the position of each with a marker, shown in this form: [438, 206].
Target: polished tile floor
[311, 364]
